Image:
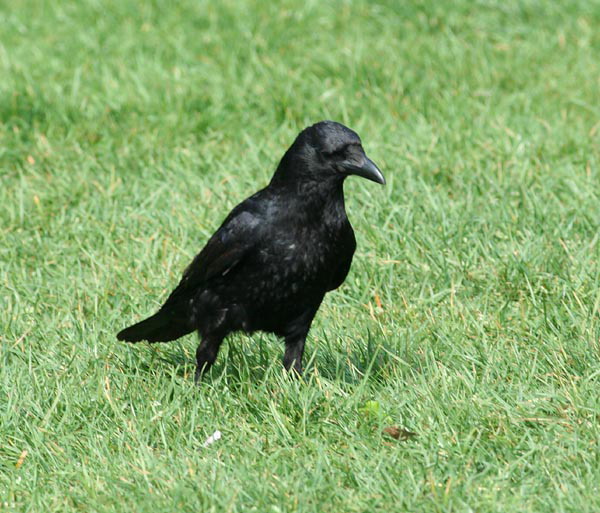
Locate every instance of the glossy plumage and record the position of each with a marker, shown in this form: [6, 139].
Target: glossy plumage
[274, 257]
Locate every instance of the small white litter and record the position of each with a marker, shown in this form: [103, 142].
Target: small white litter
[212, 438]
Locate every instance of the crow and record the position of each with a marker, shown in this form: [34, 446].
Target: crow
[275, 256]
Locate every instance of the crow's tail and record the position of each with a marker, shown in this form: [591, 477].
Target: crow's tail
[161, 327]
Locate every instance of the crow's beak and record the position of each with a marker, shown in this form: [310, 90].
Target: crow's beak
[367, 170]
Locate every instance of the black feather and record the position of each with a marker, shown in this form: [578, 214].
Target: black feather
[160, 327]
[274, 257]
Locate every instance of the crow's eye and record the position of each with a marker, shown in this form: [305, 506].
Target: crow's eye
[335, 154]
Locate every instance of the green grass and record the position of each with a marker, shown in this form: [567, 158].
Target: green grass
[127, 132]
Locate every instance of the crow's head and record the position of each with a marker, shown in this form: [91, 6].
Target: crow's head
[327, 150]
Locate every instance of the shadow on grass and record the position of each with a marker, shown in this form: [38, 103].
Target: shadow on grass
[245, 359]
[368, 359]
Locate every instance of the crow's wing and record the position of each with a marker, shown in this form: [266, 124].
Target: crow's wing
[234, 240]
[226, 248]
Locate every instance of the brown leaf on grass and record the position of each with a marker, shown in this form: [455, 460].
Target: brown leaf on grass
[378, 301]
[399, 433]
[21, 459]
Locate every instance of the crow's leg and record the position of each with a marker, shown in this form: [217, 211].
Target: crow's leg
[206, 354]
[294, 349]
[295, 337]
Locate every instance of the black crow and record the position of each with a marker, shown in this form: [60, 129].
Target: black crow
[275, 256]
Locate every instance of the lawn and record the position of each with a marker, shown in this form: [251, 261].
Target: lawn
[470, 316]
